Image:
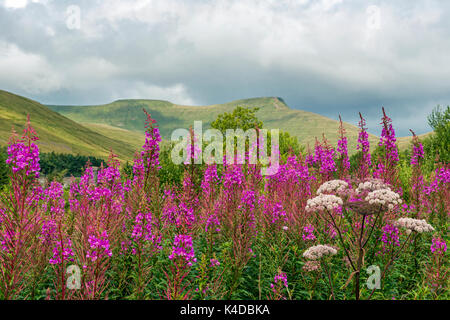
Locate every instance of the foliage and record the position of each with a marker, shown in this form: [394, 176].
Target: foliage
[154, 230]
[3, 168]
[240, 118]
[66, 165]
[245, 119]
[437, 146]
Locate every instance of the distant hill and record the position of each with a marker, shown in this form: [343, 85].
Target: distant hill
[56, 132]
[127, 114]
[94, 130]
[405, 142]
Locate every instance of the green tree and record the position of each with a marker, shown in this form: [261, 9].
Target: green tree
[3, 168]
[437, 145]
[288, 144]
[245, 119]
[54, 163]
[170, 174]
[240, 118]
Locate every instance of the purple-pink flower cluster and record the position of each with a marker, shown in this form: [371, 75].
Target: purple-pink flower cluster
[324, 156]
[62, 252]
[214, 263]
[438, 246]
[418, 154]
[233, 177]
[212, 221]
[275, 212]
[24, 158]
[390, 238]
[279, 280]
[247, 204]
[388, 140]
[308, 233]
[99, 246]
[342, 148]
[150, 152]
[183, 248]
[364, 146]
[210, 181]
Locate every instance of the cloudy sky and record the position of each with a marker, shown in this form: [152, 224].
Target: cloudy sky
[325, 56]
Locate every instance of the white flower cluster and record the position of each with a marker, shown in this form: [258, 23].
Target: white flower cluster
[322, 202]
[371, 185]
[319, 251]
[417, 225]
[384, 197]
[339, 187]
[311, 265]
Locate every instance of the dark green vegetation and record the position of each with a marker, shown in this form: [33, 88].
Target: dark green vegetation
[3, 168]
[66, 164]
[439, 142]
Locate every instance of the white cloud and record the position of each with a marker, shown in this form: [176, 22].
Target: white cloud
[99, 69]
[324, 54]
[26, 71]
[15, 4]
[19, 4]
[329, 4]
[176, 94]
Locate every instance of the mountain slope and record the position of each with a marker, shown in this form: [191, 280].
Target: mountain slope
[134, 138]
[56, 132]
[405, 142]
[127, 114]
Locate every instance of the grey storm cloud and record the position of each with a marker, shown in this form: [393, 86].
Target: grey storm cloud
[327, 56]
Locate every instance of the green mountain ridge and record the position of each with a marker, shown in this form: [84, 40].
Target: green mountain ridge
[274, 112]
[95, 130]
[56, 132]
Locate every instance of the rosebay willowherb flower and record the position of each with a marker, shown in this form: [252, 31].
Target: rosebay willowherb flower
[438, 246]
[387, 162]
[318, 252]
[323, 202]
[418, 153]
[280, 278]
[324, 157]
[308, 233]
[416, 225]
[363, 146]
[390, 239]
[130, 239]
[183, 249]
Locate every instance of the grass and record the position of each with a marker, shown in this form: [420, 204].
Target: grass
[56, 132]
[133, 138]
[127, 114]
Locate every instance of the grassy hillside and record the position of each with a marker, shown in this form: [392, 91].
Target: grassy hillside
[134, 138]
[405, 142]
[56, 132]
[127, 114]
[94, 130]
